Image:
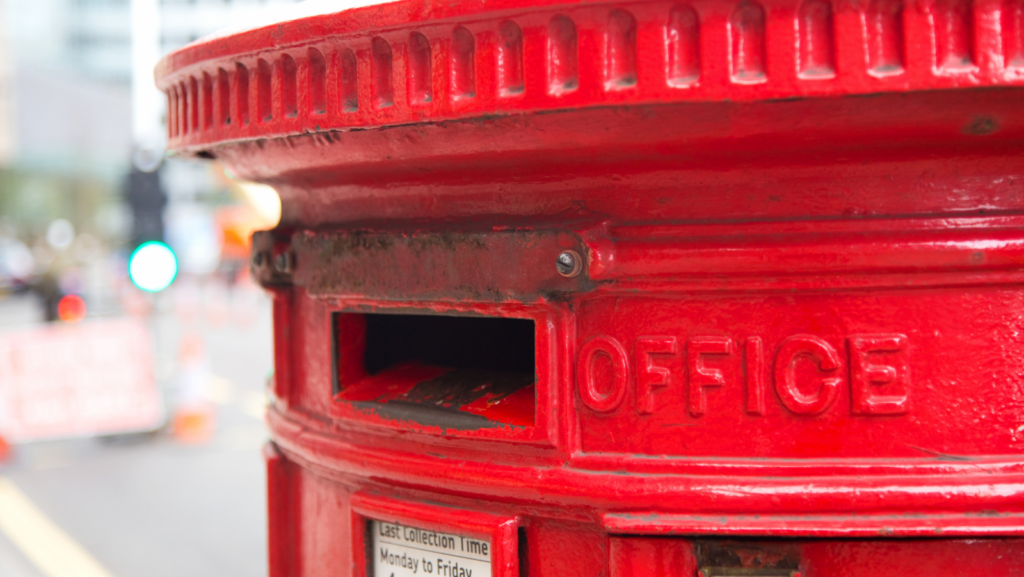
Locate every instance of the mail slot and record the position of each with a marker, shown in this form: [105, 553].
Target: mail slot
[438, 368]
[698, 288]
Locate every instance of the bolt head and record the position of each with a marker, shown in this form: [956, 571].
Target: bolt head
[283, 263]
[569, 263]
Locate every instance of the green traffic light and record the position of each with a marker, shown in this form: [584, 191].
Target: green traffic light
[153, 266]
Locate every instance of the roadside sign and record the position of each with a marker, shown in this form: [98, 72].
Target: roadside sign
[71, 381]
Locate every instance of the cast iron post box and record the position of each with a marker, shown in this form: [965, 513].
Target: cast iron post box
[715, 287]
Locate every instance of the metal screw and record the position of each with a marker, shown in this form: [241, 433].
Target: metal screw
[283, 263]
[258, 260]
[569, 263]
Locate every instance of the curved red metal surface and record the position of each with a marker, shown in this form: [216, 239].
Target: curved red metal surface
[795, 345]
[432, 61]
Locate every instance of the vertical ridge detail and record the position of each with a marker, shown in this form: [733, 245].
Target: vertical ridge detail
[206, 102]
[620, 51]
[223, 98]
[172, 112]
[380, 71]
[182, 109]
[463, 67]
[682, 46]
[193, 104]
[263, 109]
[563, 63]
[816, 54]
[1013, 33]
[242, 93]
[953, 34]
[747, 44]
[317, 82]
[510, 59]
[349, 80]
[289, 87]
[420, 70]
[884, 25]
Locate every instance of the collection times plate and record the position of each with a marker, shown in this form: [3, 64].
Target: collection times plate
[403, 551]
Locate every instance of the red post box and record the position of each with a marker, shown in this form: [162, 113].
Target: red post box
[715, 287]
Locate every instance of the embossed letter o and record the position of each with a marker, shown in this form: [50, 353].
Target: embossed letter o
[827, 360]
[599, 401]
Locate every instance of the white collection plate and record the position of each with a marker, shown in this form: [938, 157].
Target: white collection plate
[403, 551]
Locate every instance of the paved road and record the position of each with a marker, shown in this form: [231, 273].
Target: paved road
[151, 506]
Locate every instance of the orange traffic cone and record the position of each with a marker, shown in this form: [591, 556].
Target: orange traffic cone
[193, 424]
[195, 416]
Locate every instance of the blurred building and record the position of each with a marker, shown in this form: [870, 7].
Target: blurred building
[6, 100]
[93, 38]
[70, 78]
[64, 135]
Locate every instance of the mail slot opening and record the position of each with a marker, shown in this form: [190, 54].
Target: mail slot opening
[438, 369]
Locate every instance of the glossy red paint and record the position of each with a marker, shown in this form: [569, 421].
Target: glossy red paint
[796, 345]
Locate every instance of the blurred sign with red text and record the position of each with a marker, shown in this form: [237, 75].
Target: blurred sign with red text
[69, 381]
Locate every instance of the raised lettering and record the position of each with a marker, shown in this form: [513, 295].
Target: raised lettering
[866, 374]
[701, 376]
[807, 348]
[590, 391]
[754, 353]
[648, 375]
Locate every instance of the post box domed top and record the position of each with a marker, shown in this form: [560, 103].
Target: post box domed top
[427, 61]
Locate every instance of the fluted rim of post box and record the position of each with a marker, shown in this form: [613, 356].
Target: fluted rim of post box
[429, 61]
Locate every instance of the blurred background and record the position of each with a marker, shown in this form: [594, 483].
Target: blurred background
[134, 348]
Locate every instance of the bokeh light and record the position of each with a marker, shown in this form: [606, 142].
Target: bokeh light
[71, 309]
[153, 266]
